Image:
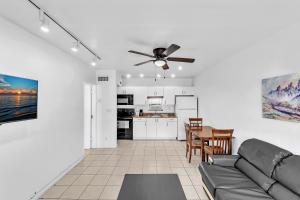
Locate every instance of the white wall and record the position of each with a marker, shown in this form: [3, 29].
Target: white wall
[230, 92]
[159, 82]
[106, 117]
[35, 152]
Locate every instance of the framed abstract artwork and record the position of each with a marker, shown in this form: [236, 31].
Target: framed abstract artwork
[281, 98]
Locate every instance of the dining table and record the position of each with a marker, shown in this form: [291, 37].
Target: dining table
[204, 133]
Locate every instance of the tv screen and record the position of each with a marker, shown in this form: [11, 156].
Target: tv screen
[18, 98]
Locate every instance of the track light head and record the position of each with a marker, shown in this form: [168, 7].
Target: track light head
[75, 47]
[44, 22]
[94, 62]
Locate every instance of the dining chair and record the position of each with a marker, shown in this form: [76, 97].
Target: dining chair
[196, 123]
[191, 142]
[221, 143]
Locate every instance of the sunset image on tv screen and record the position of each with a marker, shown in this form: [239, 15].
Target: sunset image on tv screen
[18, 98]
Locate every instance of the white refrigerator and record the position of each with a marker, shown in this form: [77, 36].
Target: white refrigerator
[185, 108]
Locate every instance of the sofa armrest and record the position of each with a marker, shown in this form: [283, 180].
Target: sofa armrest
[223, 160]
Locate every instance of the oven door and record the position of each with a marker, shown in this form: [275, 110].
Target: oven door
[125, 128]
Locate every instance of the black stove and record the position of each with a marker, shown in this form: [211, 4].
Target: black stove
[125, 123]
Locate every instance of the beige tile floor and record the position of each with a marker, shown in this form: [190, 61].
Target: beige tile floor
[100, 174]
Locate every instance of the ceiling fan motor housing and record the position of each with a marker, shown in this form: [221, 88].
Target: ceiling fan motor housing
[159, 52]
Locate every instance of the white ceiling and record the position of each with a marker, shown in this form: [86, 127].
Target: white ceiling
[207, 30]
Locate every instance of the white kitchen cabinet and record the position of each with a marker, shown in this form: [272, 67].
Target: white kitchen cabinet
[121, 90]
[184, 91]
[154, 128]
[155, 91]
[139, 128]
[125, 90]
[130, 90]
[151, 128]
[166, 128]
[140, 95]
[169, 95]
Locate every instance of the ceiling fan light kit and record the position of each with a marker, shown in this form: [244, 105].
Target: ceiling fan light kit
[160, 62]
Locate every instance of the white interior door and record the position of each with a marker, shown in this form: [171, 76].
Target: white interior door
[93, 116]
[89, 113]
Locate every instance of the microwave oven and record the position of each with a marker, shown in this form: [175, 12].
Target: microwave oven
[125, 99]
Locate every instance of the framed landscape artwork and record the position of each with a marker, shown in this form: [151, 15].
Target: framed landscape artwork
[281, 98]
[18, 98]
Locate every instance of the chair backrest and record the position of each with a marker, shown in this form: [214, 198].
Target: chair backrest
[196, 123]
[222, 138]
[187, 132]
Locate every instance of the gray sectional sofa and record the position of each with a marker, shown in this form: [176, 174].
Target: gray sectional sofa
[260, 171]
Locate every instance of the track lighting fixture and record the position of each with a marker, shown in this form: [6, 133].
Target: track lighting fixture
[44, 22]
[45, 19]
[75, 47]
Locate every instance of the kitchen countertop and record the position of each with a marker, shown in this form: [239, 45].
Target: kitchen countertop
[157, 115]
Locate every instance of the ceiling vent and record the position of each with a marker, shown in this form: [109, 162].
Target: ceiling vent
[102, 78]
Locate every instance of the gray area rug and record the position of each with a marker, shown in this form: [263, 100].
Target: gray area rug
[151, 187]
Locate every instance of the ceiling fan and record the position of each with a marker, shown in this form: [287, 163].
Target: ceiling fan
[161, 56]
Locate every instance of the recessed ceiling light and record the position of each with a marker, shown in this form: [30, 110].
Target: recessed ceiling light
[75, 47]
[179, 68]
[142, 75]
[173, 75]
[128, 75]
[158, 75]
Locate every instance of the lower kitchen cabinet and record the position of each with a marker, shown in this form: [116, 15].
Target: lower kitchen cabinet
[154, 128]
[151, 128]
[139, 128]
[166, 128]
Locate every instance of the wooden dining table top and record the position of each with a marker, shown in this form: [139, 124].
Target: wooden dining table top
[204, 132]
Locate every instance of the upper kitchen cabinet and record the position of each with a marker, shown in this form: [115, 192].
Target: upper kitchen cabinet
[169, 95]
[185, 91]
[155, 91]
[126, 90]
[121, 90]
[140, 95]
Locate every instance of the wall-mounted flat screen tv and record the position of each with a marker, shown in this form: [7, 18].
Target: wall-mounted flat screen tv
[18, 99]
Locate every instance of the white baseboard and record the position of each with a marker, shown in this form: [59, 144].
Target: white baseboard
[39, 193]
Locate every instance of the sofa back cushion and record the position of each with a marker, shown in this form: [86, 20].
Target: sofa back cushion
[253, 173]
[287, 172]
[262, 155]
[279, 192]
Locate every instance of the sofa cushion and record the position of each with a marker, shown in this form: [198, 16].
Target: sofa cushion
[223, 160]
[279, 192]
[215, 176]
[287, 173]
[256, 175]
[262, 155]
[242, 194]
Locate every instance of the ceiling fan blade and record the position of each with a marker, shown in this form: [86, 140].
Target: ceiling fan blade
[188, 60]
[171, 49]
[143, 62]
[165, 67]
[140, 53]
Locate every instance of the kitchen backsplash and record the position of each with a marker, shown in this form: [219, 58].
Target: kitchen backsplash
[165, 109]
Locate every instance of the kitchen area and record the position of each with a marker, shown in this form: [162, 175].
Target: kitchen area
[154, 112]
